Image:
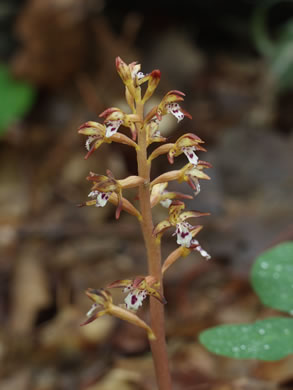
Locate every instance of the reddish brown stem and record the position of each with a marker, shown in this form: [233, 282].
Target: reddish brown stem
[158, 347]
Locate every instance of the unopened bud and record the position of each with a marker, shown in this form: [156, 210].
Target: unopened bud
[123, 70]
[154, 79]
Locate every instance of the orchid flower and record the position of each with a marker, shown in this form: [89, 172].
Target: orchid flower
[114, 118]
[132, 77]
[192, 174]
[159, 194]
[152, 131]
[170, 105]
[182, 251]
[135, 71]
[99, 134]
[184, 231]
[189, 173]
[138, 289]
[107, 188]
[188, 144]
[103, 304]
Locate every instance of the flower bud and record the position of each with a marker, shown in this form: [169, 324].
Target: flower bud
[153, 81]
[123, 70]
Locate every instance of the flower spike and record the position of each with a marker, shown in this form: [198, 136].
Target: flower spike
[106, 188]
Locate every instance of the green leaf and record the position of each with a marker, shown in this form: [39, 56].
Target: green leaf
[16, 98]
[272, 277]
[269, 339]
[282, 60]
[278, 51]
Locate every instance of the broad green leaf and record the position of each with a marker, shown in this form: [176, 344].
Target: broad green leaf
[282, 60]
[16, 98]
[269, 339]
[272, 277]
[278, 50]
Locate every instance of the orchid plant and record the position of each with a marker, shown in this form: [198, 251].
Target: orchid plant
[144, 129]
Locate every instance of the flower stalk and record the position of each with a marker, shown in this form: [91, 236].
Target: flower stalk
[158, 346]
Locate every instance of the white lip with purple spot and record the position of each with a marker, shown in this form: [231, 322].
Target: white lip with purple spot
[101, 197]
[189, 152]
[112, 127]
[184, 236]
[175, 109]
[134, 299]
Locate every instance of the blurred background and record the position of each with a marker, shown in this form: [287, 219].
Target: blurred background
[234, 61]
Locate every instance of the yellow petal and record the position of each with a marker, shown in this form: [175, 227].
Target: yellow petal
[191, 214]
[92, 128]
[161, 227]
[129, 98]
[154, 79]
[156, 194]
[156, 294]
[100, 296]
[123, 70]
[120, 283]
[196, 229]
[175, 211]
[197, 173]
